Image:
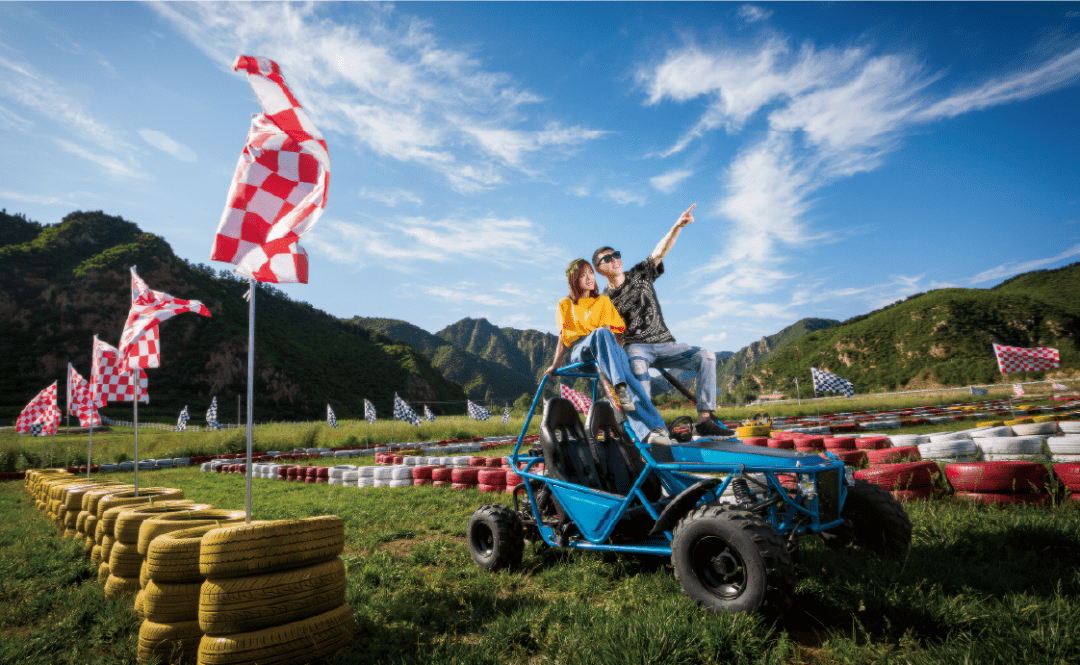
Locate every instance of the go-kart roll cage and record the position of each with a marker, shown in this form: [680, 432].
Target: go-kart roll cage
[597, 513]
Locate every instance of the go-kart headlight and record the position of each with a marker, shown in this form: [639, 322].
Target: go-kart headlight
[849, 475]
[807, 487]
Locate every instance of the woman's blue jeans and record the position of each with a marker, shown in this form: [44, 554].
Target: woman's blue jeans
[600, 347]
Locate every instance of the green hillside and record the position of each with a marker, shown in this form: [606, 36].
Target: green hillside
[482, 378]
[731, 369]
[942, 337]
[526, 352]
[71, 281]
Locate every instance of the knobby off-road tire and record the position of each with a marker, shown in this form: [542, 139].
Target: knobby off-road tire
[732, 561]
[244, 604]
[265, 547]
[496, 537]
[878, 522]
[293, 643]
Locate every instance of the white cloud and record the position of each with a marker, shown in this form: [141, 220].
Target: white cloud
[830, 114]
[40, 199]
[165, 144]
[410, 244]
[112, 165]
[715, 338]
[753, 13]
[580, 190]
[390, 197]
[1009, 269]
[386, 81]
[668, 182]
[466, 292]
[23, 84]
[623, 197]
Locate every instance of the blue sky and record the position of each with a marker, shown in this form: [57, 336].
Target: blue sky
[841, 155]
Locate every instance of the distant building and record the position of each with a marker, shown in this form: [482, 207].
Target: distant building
[770, 398]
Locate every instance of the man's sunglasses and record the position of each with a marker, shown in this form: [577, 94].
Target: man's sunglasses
[609, 257]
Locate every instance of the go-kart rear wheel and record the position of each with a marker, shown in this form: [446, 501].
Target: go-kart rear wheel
[732, 561]
[877, 522]
[496, 537]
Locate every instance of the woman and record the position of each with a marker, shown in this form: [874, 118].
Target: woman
[588, 326]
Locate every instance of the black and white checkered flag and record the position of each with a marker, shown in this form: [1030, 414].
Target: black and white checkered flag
[211, 415]
[428, 415]
[826, 382]
[181, 424]
[477, 412]
[978, 391]
[369, 412]
[404, 412]
[37, 429]
[506, 415]
[331, 419]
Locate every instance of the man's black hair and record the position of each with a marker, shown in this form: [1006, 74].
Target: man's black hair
[596, 255]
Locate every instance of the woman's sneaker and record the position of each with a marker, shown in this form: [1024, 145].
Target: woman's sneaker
[659, 436]
[709, 429]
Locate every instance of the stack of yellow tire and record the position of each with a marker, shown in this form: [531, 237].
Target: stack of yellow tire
[105, 538]
[274, 592]
[751, 431]
[121, 549]
[91, 500]
[171, 581]
[75, 521]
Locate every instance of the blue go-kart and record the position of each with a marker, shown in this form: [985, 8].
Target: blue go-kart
[729, 515]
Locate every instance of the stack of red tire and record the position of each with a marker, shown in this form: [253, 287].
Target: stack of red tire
[905, 481]
[1069, 475]
[756, 441]
[422, 475]
[464, 477]
[478, 461]
[999, 482]
[844, 448]
[809, 444]
[782, 443]
[496, 462]
[512, 481]
[492, 480]
[887, 456]
[441, 476]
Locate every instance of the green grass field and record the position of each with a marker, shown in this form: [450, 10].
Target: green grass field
[982, 584]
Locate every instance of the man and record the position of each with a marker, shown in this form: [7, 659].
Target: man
[647, 339]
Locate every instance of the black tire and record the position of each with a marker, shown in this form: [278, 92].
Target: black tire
[496, 537]
[732, 561]
[877, 521]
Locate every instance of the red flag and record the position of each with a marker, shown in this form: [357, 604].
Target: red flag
[80, 402]
[1019, 359]
[139, 342]
[41, 411]
[279, 189]
[581, 402]
[110, 381]
[1018, 390]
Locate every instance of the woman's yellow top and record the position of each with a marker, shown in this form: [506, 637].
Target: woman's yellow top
[576, 321]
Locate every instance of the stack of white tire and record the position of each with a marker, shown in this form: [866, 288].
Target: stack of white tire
[950, 447]
[1012, 448]
[398, 475]
[337, 474]
[1064, 448]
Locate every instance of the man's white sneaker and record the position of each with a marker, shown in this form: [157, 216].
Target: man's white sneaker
[659, 436]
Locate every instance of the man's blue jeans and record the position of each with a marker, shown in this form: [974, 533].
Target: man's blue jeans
[600, 347]
[672, 355]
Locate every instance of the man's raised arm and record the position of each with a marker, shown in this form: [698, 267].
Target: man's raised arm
[668, 241]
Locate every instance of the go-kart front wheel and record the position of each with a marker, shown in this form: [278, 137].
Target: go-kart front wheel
[496, 537]
[732, 561]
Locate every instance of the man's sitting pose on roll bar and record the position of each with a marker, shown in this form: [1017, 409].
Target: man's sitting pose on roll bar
[647, 340]
[588, 325]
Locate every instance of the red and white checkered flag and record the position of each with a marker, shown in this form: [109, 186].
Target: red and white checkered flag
[279, 189]
[80, 401]
[139, 345]
[110, 381]
[41, 411]
[580, 402]
[1018, 390]
[1018, 359]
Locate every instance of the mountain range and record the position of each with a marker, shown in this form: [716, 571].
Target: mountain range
[61, 284]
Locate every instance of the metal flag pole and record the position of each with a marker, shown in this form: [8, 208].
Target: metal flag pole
[135, 413]
[69, 399]
[250, 392]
